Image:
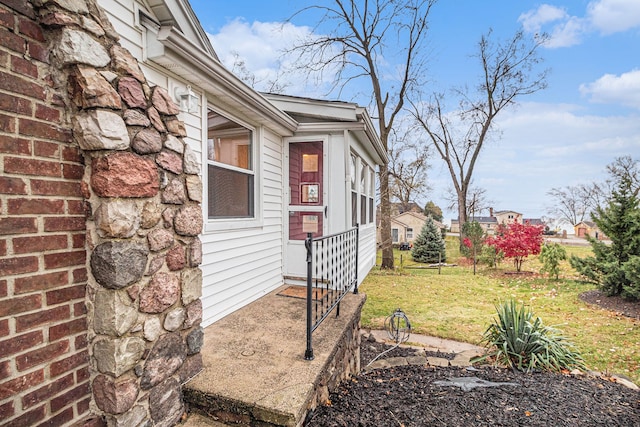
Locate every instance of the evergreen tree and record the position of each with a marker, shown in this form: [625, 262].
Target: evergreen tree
[614, 268]
[433, 210]
[429, 246]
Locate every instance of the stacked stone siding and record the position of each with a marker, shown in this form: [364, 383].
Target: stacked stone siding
[99, 251]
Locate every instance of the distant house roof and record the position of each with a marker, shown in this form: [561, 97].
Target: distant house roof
[533, 221]
[480, 219]
[589, 224]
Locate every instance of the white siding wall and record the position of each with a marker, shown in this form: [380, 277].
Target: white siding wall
[240, 266]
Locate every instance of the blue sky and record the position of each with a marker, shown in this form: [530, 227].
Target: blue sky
[564, 135]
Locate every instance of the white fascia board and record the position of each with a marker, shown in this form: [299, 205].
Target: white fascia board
[175, 52]
[335, 110]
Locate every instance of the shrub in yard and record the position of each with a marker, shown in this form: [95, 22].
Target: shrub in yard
[472, 239]
[550, 255]
[518, 340]
[517, 241]
[429, 245]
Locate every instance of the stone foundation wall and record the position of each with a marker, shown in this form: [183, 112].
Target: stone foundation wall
[344, 363]
[100, 287]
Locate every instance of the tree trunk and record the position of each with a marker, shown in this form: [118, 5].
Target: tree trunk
[462, 212]
[385, 219]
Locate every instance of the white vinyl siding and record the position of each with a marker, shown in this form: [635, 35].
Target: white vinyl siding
[241, 265]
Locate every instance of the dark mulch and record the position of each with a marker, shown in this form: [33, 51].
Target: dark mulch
[612, 303]
[408, 396]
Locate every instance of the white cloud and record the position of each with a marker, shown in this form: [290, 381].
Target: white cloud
[604, 16]
[533, 20]
[612, 16]
[261, 45]
[611, 89]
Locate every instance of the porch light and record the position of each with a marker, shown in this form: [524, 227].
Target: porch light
[187, 100]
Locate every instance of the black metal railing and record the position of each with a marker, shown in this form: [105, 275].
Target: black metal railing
[332, 271]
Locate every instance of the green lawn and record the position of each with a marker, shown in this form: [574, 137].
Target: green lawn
[458, 305]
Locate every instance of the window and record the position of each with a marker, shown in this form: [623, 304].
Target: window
[409, 233]
[372, 192]
[363, 193]
[394, 235]
[230, 168]
[354, 190]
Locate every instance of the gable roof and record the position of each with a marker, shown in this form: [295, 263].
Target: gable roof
[176, 41]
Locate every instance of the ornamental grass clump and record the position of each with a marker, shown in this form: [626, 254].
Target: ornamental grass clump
[518, 340]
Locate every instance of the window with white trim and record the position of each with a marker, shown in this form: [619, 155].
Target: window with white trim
[353, 165]
[362, 191]
[409, 233]
[230, 168]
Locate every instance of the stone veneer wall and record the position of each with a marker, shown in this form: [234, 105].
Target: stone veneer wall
[140, 334]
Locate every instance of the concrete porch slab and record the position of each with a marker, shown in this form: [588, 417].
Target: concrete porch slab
[254, 367]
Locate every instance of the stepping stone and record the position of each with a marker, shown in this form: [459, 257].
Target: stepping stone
[438, 361]
[417, 360]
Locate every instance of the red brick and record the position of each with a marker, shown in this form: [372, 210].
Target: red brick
[58, 296]
[4, 328]
[5, 370]
[15, 104]
[9, 267]
[24, 7]
[39, 52]
[6, 19]
[72, 154]
[42, 355]
[80, 275]
[12, 41]
[7, 410]
[30, 418]
[64, 259]
[3, 252]
[76, 207]
[24, 67]
[13, 145]
[81, 408]
[7, 123]
[65, 223]
[12, 186]
[79, 308]
[83, 374]
[44, 112]
[19, 343]
[23, 285]
[37, 244]
[32, 206]
[46, 149]
[80, 343]
[66, 329]
[70, 397]
[43, 130]
[17, 385]
[55, 188]
[17, 305]
[30, 321]
[11, 83]
[30, 29]
[22, 166]
[69, 364]
[59, 419]
[49, 390]
[72, 171]
[78, 240]
[15, 225]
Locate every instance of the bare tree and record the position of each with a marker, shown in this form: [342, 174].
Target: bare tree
[365, 37]
[408, 165]
[574, 204]
[508, 73]
[477, 200]
[571, 204]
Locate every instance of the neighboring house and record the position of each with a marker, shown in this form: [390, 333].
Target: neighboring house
[407, 226]
[490, 223]
[161, 220]
[589, 228]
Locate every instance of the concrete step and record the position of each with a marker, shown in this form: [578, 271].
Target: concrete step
[197, 420]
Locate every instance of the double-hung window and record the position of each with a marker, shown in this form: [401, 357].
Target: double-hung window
[230, 168]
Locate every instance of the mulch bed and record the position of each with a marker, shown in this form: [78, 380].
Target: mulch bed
[408, 396]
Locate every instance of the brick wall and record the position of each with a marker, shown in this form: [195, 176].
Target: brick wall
[44, 369]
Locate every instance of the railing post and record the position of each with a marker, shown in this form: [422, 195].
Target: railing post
[308, 243]
[355, 288]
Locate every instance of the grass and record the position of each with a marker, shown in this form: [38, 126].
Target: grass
[460, 306]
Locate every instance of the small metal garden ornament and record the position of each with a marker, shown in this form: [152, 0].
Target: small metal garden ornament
[398, 326]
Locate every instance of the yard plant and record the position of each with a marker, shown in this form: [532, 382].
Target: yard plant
[520, 340]
[457, 305]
